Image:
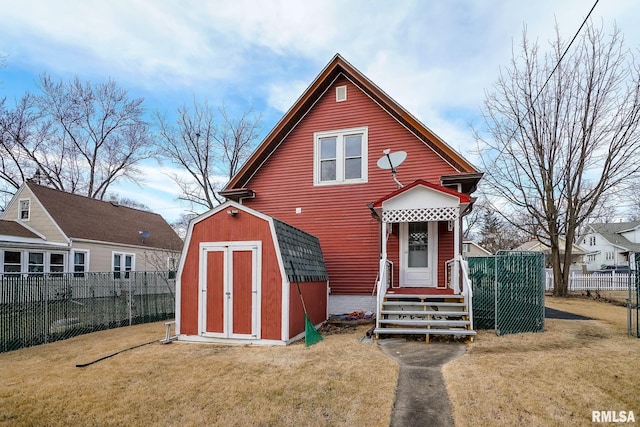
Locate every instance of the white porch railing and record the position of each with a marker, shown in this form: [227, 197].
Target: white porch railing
[593, 282]
[385, 277]
[467, 291]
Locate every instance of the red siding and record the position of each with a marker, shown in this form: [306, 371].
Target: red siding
[243, 227]
[338, 215]
[315, 298]
[445, 249]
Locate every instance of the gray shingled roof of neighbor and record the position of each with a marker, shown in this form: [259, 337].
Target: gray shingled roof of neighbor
[610, 232]
[14, 228]
[82, 217]
[303, 250]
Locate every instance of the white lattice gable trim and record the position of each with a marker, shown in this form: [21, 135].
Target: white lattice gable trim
[418, 215]
[420, 197]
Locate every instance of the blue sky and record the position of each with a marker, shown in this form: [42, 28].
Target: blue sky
[436, 58]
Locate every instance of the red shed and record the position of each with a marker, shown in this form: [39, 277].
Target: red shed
[238, 274]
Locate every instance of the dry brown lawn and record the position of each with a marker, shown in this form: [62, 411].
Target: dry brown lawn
[555, 378]
[331, 383]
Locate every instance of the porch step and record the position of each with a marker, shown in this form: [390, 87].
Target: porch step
[425, 312]
[424, 322]
[423, 297]
[432, 303]
[423, 331]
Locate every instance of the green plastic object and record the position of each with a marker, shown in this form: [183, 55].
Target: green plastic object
[311, 334]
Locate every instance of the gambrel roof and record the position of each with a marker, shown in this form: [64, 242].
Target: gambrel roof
[336, 68]
[80, 217]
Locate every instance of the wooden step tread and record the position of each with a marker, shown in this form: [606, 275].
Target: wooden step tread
[425, 297]
[426, 312]
[425, 322]
[432, 303]
[422, 331]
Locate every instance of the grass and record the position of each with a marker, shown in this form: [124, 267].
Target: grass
[553, 378]
[330, 383]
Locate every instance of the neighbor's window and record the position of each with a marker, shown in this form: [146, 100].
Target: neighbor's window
[172, 266]
[36, 262]
[609, 256]
[340, 156]
[23, 209]
[12, 262]
[592, 240]
[122, 263]
[79, 264]
[56, 263]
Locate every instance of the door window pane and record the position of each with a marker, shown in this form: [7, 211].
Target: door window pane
[418, 244]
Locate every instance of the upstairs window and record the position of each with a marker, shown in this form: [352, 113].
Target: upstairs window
[24, 210]
[340, 157]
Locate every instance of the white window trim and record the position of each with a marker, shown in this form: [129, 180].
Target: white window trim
[72, 260]
[123, 255]
[20, 210]
[341, 97]
[340, 134]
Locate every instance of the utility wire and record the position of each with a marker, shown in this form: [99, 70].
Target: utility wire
[551, 74]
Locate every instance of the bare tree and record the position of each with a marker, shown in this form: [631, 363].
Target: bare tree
[76, 137]
[554, 150]
[208, 147]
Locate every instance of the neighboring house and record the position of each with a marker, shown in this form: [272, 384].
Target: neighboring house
[472, 249]
[49, 231]
[317, 170]
[610, 244]
[535, 245]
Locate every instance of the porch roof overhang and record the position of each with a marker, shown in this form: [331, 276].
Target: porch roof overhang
[421, 201]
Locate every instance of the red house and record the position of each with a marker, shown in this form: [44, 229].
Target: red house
[391, 249]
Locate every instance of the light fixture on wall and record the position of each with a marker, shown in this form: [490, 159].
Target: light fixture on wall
[233, 212]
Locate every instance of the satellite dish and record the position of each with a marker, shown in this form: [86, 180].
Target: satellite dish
[392, 161]
[145, 234]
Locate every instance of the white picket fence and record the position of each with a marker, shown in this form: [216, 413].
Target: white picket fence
[594, 282]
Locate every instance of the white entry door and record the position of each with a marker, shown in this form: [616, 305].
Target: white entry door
[229, 290]
[418, 254]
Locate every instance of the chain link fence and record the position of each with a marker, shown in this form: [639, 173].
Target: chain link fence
[508, 292]
[40, 308]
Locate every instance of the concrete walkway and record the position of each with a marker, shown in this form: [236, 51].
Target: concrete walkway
[421, 395]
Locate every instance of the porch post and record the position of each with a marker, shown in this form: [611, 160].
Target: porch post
[383, 254]
[456, 254]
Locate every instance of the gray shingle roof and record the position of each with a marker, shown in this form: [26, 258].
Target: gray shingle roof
[610, 231]
[303, 250]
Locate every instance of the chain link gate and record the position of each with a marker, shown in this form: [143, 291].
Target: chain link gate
[508, 292]
[633, 307]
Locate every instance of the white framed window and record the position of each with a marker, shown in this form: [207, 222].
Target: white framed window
[340, 157]
[341, 93]
[36, 262]
[24, 209]
[122, 263]
[12, 262]
[609, 256]
[592, 240]
[56, 262]
[80, 263]
[172, 266]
